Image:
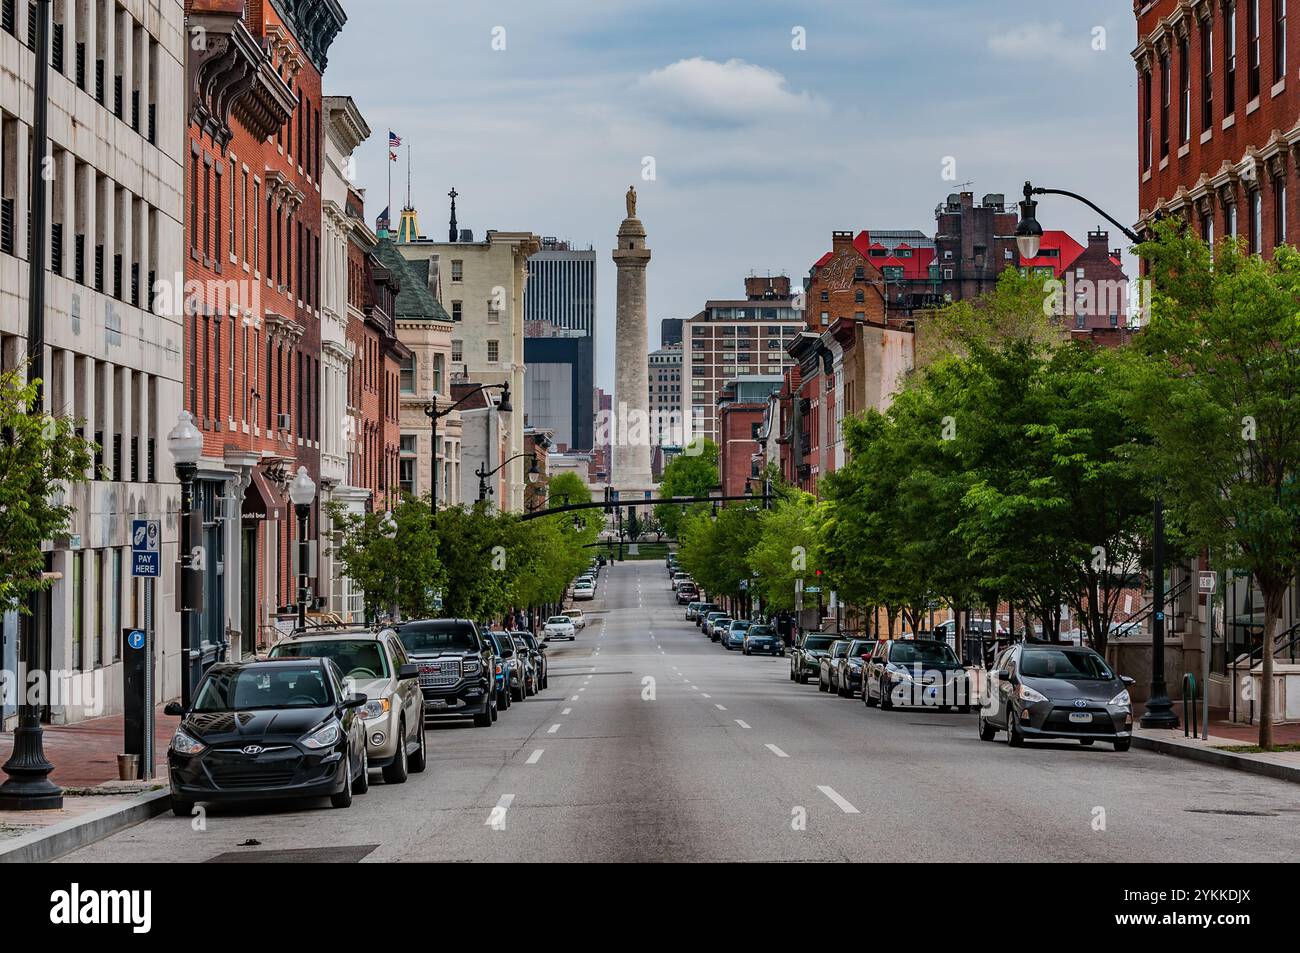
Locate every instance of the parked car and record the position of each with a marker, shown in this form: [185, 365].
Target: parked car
[686, 592]
[846, 674]
[1056, 691]
[540, 666]
[532, 675]
[763, 638]
[373, 664]
[579, 620]
[719, 626]
[500, 671]
[680, 577]
[805, 659]
[583, 591]
[280, 728]
[456, 663]
[826, 663]
[916, 673]
[516, 666]
[702, 613]
[733, 637]
[559, 627]
[692, 608]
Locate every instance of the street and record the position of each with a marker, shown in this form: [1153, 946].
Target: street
[655, 744]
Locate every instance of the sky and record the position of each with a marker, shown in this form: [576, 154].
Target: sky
[751, 129]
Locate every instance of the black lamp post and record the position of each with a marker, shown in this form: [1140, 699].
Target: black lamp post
[302, 491]
[1159, 711]
[186, 446]
[533, 475]
[434, 415]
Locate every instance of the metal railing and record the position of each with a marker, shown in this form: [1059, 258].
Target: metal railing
[1134, 622]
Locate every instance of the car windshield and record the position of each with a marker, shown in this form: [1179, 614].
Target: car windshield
[840, 649]
[356, 658]
[818, 641]
[924, 653]
[860, 648]
[264, 686]
[1074, 664]
[424, 640]
[558, 620]
[573, 614]
[505, 646]
[761, 632]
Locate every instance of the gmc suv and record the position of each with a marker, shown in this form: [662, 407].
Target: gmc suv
[456, 668]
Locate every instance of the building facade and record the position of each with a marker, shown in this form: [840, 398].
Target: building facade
[742, 404]
[559, 386]
[114, 350]
[666, 414]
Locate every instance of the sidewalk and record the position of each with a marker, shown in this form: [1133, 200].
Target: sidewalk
[95, 803]
[1281, 765]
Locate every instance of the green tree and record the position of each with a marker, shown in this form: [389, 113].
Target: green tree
[786, 548]
[1218, 386]
[686, 476]
[394, 561]
[40, 456]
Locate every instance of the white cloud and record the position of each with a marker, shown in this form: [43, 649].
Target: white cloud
[1041, 41]
[732, 92]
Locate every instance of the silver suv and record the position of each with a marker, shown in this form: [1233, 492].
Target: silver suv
[373, 664]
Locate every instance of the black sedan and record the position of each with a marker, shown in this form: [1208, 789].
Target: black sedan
[763, 638]
[920, 673]
[281, 728]
[1056, 691]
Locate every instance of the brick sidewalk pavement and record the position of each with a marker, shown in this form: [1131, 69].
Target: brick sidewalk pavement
[85, 754]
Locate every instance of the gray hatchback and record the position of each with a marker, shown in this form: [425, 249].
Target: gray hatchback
[1056, 691]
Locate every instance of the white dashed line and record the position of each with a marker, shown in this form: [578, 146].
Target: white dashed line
[776, 751]
[497, 818]
[838, 801]
[574, 698]
[553, 729]
[718, 707]
[741, 723]
[705, 695]
[566, 711]
[535, 756]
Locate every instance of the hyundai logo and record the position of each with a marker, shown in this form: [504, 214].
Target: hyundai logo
[253, 750]
[1080, 703]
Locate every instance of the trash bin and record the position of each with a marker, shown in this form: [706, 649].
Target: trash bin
[128, 767]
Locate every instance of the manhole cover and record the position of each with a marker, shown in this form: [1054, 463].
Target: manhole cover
[298, 855]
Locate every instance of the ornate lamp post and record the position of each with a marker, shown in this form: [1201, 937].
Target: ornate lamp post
[302, 491]
[186, 446]
[533, 474]
[434, 415]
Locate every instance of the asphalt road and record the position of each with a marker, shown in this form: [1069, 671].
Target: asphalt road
[655, 744]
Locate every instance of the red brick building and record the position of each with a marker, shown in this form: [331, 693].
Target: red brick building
[251, 291]
[741, 405]
[1217, 117]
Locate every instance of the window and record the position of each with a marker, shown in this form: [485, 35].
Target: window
[1279, 40]
[1252, 49]
[1207, 228]
[456, 310]
[1184, 92]
[1279, 212]
[1256, 222]
[1165, 82]
[437, 373]
[1230, 60]
[407, 375]
[457, 270]
[493, 351]
[1230, 219]
[457, 351]
[78, 602]
[1207, 73]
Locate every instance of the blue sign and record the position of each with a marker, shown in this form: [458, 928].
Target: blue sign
[146, 555]
[135, 639]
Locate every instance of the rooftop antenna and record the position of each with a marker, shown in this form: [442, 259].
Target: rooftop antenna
[451, 232]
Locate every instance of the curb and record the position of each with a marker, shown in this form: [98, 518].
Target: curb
[55, 841]
[1221, 759]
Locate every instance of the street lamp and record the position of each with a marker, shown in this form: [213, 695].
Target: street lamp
[484, 492]
[302, 491]
[1159, 712]
[186, 446]
[434, 415]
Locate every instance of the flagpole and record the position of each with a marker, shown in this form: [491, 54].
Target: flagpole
[408, 175]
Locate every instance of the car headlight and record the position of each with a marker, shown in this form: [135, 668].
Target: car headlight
[471, 666]
[900, 673]
[326, 737]
[1029, 696]
[1122, 700]
[376, 708]
[184, 744]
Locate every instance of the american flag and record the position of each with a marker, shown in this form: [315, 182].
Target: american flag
[394, 142]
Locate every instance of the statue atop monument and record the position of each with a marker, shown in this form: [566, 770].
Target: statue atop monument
[631, 202]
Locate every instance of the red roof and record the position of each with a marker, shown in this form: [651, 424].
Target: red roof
[1067, 250]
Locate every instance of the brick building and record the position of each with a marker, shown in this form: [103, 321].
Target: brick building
[252, 303]
[741, 405]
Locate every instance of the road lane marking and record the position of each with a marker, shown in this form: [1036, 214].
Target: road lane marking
[776, 751]
[838, 801]
[553, 729]
[497, 817]
[574, 698]
[718, 707]
[741, 723]
[705, 695]
[535, 756]
[566, 711]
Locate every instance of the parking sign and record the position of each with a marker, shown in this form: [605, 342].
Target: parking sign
[146, 557]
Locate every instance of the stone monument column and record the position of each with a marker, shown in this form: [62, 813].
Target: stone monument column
[631, 464]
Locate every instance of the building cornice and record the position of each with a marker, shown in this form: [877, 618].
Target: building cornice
[315, 24]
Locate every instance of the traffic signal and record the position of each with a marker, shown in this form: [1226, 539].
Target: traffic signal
[608, 509]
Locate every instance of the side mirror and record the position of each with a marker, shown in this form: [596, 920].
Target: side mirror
[174, 709]
[1005, 674]
[1126, 680]
[354, 700]
[408, 671]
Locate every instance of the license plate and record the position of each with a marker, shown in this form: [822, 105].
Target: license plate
[1081, 717]
[436, 703]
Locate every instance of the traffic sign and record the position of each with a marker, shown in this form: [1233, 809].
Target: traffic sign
[1208, 581]
[146, 555]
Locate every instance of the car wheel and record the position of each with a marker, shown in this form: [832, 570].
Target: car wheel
[792, 678]
[987, 731]
[1123, 744]
[517, 694]
[182, 808]
[344, 797]
[1014, 737]
[420, 760]
[886, 703]
[362, 782]
[744, 651]
[485, 718]
[866, 696]
[803, 678]
[505, 699]
[821, 686]
[395, 773]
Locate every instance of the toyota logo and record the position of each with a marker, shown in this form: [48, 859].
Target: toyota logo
[1080, 703]
[253, 750]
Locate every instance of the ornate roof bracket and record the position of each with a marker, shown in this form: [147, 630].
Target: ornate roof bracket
[220, 73]
[269, 102]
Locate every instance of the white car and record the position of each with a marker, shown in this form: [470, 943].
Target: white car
[584, 591]
[579, 620]
[559, 627]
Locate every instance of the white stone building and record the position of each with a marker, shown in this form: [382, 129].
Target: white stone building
[115, 189]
